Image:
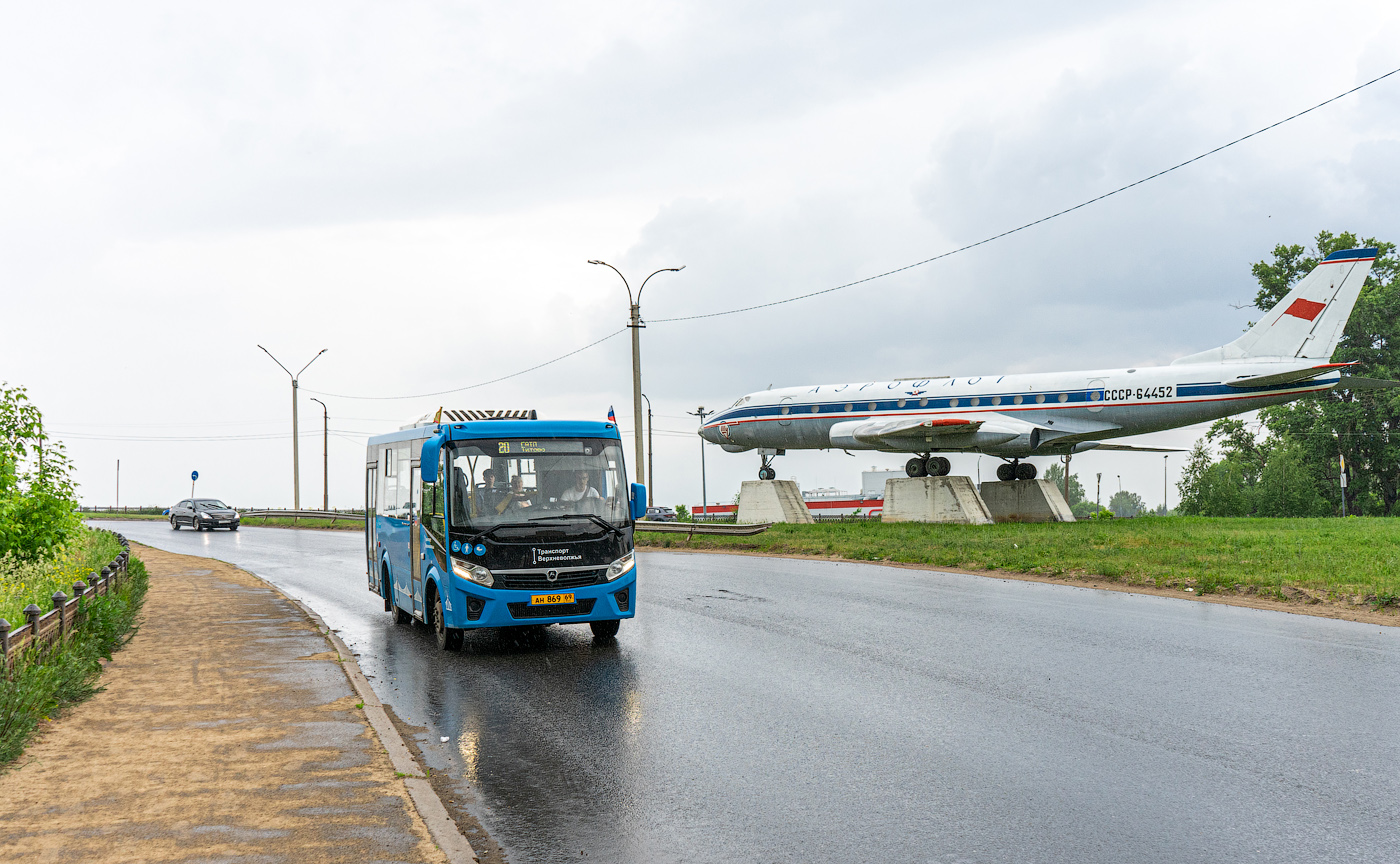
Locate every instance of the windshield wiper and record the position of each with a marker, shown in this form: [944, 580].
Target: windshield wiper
[605, 523]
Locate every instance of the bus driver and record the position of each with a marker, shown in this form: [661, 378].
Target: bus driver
[580, 490]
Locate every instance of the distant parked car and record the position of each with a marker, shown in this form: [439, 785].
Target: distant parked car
[660, 514]
[203, 514]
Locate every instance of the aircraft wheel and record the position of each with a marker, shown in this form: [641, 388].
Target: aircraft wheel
[915, 467]
[1006, 472]
[1025, 471]
[766, 473]
[939, 466]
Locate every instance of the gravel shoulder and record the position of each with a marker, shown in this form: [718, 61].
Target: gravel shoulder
[227, 730]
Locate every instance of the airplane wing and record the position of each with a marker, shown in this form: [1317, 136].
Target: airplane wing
[1126, 448]
[1356, 382]
[1288, 377]
[900, 431]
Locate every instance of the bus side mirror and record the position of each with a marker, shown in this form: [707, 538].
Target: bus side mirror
[428, 459]
[639, 501]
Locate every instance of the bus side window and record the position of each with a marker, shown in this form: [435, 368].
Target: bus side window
[387, 497]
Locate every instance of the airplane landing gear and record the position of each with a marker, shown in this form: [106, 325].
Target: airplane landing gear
[1015, 470]
[928, 466]
[765, 471]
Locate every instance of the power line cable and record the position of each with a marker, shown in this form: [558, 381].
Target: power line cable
[1028, 224]
[480, 384]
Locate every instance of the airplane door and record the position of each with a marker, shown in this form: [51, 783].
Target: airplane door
[415, 539]
[1096, 395]
[785, 411]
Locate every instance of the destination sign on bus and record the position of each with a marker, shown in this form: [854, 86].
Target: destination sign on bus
[519, 447]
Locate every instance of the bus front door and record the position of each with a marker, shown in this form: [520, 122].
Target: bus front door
[415, 540]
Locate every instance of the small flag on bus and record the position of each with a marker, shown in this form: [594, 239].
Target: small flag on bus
[612, 418]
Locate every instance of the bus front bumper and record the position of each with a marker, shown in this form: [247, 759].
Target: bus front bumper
[473, 606]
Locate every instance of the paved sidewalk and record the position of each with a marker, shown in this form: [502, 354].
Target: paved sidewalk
[227, 732]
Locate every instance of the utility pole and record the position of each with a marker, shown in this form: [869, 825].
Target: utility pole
[634, 321]
[119, 483]
[325, 454]
[1098, 490]
[651, 455]
[704, 494]
[1164, 485]
[296, 441]
[1343, 481]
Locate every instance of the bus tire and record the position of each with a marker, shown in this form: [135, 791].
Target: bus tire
[400, 616]
[604, 629]
[448, 638]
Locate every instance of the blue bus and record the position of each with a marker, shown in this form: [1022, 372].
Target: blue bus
[499, 519]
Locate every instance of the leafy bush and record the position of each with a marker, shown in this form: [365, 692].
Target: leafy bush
[38, 498]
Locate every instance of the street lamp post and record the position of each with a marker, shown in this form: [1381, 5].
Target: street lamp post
[1164, 485]
[651, 456]
[325, 454]
[634, 321]
[296, 447]
[704, 494]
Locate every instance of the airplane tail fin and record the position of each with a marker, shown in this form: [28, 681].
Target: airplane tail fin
[1308, 322]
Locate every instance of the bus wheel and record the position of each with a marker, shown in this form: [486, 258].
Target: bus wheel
[448, 638]
[401, 617]
[604, 629]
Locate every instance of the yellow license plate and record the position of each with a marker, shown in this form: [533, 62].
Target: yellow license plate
[550, 599]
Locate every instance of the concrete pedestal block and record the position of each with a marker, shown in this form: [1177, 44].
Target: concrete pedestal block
[772, 501]
[934, 499]
[1026, 501]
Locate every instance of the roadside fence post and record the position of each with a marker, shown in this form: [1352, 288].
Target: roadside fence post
[59, 599]
[31, 614]
[79, 589]
[5, 647]
[107, 580]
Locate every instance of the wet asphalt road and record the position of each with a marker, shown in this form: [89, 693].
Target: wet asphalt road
[774, 710]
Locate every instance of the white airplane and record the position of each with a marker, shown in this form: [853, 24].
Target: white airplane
[1285, 356]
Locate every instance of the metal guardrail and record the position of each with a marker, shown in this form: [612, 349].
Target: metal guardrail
[693, 528]
[302, 514]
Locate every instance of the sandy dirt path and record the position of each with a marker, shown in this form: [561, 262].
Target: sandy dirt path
[227, 731]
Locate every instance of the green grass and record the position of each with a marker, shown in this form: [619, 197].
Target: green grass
[47, 682]
[344, 523]
[1343, 556]
[25, 582]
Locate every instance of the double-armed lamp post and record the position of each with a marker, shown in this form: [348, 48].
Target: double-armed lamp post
[296, 447]
[635, 322]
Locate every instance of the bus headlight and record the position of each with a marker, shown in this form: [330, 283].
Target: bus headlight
[473, 572]
[621, 566]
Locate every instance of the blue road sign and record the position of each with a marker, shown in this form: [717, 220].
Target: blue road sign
[194, 475]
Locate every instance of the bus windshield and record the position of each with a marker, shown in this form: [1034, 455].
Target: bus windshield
[515, 480]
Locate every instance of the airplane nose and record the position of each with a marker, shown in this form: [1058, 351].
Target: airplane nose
[709, 433]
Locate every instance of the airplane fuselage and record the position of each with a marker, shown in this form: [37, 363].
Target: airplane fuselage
[1012, 416]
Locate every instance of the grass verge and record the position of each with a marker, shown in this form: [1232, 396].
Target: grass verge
[1357, 557]
[45, 684]
[24, 582]
[344, 523]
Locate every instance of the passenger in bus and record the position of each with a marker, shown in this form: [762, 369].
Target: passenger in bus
[485, 497]
[580, 490]
[516, 499]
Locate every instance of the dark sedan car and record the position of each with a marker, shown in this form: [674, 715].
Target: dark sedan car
[203, 514]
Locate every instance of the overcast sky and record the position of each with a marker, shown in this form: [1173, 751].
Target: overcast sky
[417, 187]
